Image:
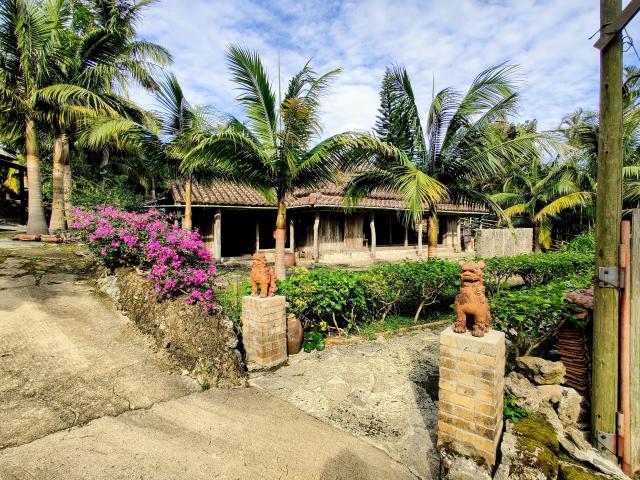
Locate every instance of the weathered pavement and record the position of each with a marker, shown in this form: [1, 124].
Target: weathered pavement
[84, 395]
[382, 391]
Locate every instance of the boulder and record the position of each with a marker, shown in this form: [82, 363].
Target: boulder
[458, 467]
[569, 406]
[526, 394]
[529, 451]
[541, 371]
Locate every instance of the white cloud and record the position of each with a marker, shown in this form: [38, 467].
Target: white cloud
[451, 41]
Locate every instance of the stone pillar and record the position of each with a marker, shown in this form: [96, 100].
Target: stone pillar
[217, 235]
[292, 238]
[471, 393]
[316, 240]
[264, 331]
[372, 228]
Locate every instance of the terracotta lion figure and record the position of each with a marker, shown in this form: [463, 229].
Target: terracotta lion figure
[261, 275]
[472, 310]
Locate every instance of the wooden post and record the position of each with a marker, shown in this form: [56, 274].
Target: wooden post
[316, 240]
[634, 341]
[372, 228]
[420, 238]
[406, 236]
[457, 242]
[608, 216]
[625, 360]
[217, 235]
[292, 238]
[257, 236]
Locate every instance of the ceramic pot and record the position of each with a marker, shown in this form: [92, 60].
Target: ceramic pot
[290, 259]
[294, 335]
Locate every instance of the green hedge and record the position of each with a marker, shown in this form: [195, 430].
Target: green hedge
[528, 312]
[536, 268]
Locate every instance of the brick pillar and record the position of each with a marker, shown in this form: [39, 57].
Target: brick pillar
[471, 393]
[264, 331]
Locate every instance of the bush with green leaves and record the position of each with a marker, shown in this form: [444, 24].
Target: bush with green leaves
[583, 243]
[536, 268]
[530, 316]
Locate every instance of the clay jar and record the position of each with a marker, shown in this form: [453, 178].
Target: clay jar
[294, 335]
[290, 259]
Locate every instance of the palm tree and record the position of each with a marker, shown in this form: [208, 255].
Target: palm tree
[272, 152]
[539, 193]
[29, 56]
[102, 59]
[452, 149]
[160, 141]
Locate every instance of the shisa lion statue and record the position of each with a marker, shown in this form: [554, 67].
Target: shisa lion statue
[472, 310]
[261, 275]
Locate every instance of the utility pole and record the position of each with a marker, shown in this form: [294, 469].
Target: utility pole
[608, 217]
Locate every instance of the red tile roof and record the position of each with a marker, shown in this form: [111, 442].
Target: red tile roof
[226, 194]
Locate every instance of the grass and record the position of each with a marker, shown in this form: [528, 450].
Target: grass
[396, 322]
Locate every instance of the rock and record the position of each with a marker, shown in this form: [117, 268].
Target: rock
[590, 455]
[541, 371]
[524, 459]
[569, 406]
[109, 286]
[457, 467]
[570, 471]
[527, 396]
[550, 393]
[537, 428]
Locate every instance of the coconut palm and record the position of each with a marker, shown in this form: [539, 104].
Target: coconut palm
[159, 141]
[30, 54]
[273, 151]
[452, 148]
[539, 193]
[102, 59]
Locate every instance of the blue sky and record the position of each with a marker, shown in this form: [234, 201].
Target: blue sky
[449, 40]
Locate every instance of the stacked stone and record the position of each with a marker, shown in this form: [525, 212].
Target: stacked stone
[264, 331]
[471, 393]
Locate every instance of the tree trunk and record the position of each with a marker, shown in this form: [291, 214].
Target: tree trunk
[187, 221]
[36, 224]
[281, 236]
[57, 221]
[432, 235]
[536, 238]
[67, 182]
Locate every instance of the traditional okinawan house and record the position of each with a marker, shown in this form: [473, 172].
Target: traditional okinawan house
[236, 220]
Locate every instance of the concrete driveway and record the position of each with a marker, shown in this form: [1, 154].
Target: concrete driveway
[84, 395]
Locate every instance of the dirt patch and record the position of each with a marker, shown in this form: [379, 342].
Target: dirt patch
[205, 344]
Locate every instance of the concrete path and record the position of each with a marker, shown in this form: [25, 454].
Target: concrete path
[218, 434]
[84, 395]
[384, 392]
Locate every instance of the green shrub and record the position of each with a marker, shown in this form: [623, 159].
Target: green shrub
[529, 316]
[536, 268]
[115, 193]
[583, 243]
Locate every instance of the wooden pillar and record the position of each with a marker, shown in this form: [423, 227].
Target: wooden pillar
[457, 245]
[608, 214]
[257, 236]
[406, 235]
[420, 238]
[316, 240]
[292, 238]
[634, 294]
[217, 235]
[372, 228]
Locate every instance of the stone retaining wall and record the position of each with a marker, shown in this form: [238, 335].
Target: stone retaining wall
[205, 344]
[503, 242]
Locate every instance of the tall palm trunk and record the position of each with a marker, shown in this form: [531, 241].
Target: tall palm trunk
[187, 220]
[36, 223]
[432, 235]
[281, 236]
[57, 220]
[537, 247]
[67, 182]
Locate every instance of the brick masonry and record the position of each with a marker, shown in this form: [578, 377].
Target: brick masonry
[471, 393]
[264, 331]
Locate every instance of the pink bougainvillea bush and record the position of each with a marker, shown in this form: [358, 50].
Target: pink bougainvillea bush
[176, 261]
